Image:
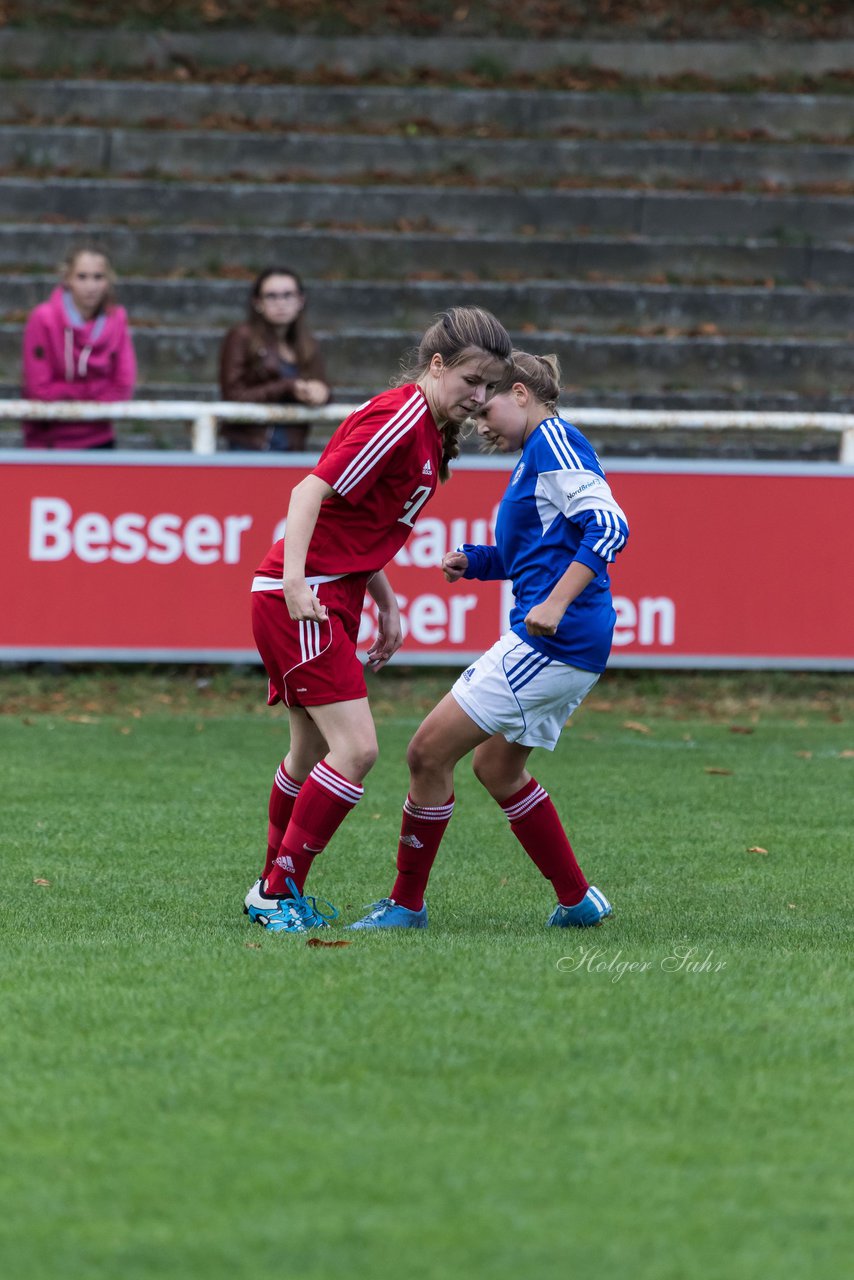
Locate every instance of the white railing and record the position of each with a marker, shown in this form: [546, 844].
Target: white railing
[204, 416]
[841, 424]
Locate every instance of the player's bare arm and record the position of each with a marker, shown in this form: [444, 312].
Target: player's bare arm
[303, 510]
[389, 630]
[454, 565]
[544, 618]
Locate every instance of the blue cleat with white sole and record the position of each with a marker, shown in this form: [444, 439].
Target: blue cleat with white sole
[586, 914]
[388, 914]
[294, 914]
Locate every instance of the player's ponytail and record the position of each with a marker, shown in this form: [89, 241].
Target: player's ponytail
[450, 434]
[540, 374]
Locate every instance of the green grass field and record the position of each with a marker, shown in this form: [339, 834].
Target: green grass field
[663, 1098]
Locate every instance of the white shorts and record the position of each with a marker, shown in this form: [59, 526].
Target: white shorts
[521, 693]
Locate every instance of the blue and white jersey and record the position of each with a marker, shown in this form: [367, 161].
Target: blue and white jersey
[558, 508]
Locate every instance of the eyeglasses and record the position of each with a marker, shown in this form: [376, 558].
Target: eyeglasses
[285, 296]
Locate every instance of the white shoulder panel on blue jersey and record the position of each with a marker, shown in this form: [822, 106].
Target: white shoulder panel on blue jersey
[572, 492]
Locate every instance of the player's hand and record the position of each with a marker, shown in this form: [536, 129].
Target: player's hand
[454, 565]
[543, 619]
[389, 638]
[302, 604]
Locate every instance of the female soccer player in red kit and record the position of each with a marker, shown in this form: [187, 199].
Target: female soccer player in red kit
[346, 520]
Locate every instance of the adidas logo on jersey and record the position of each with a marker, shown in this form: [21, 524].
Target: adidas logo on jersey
[427, 470]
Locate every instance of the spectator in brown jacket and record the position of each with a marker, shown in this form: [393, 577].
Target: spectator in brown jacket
[272, 358]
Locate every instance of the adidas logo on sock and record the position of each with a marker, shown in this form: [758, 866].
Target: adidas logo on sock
[412, 841]
[286, 862]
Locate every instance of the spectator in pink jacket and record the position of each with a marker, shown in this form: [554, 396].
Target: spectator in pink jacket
[77, 346]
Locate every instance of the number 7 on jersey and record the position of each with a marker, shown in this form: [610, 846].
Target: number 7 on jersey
[414, 505]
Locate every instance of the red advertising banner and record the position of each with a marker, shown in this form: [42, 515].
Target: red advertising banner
[150, 557]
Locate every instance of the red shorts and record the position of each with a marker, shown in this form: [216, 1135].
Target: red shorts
[311, 664]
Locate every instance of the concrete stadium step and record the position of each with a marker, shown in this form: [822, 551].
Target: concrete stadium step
[195, 153]
[367, 108]
[685, 400]
[531, 210]
[382, 256]
[570, 306]
[709, 266]
[591, 361]
[44, 47]
[690, 400]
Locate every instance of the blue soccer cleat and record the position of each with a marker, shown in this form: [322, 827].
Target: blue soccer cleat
[295, 914]
[590, 911]
[388, 914]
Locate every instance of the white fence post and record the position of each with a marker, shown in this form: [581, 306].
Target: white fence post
[204, 434]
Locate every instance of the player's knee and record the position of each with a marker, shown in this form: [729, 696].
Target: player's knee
[419, 755]
[364, 758]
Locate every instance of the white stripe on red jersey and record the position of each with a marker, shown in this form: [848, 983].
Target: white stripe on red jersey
[385, 438]
[382, 465]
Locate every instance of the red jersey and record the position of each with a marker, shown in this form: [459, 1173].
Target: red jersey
[383, 463]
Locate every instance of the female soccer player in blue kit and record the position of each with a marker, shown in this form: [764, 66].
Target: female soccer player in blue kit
[557, 530]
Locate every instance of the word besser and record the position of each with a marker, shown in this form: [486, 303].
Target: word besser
[55, 534]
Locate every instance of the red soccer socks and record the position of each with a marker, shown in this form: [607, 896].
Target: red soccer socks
[421, 834]
[324, 800]
[535, 824]
[282, 797]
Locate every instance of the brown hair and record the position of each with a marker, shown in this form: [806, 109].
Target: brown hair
[452, 335]
[298, 333]
[540, 374]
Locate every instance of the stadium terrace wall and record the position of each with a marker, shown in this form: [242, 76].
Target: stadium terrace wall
[147, 557]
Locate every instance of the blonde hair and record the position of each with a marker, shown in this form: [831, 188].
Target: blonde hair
[540, 374]
[453, 335]
[67, 266]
